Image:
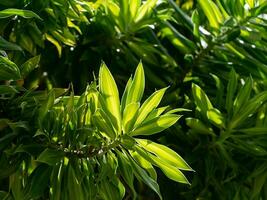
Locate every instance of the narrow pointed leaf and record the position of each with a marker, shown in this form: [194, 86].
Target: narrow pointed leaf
[201, 99]
[6, 45]
[155, 113]
[22, 13]
[101, 120]
[170, 171]
[243, 95]
[215, 117]
[136, 90]
[156, 125]
[134, 6]
[231, 89]
[8, 69]
[30, 65]
[125, 94]
[141, 174]
[249, 109]
[164, 153]
[209, 12]
[151, 103]
[110, 94]
[129, 116]
[198, 126]
[146, 164]
[145, 10]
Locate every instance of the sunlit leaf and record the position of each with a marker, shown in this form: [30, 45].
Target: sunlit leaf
[136, 90]
[156, 125]
[8, 69]
[109, 92]
[151, 103]
[164, 153]
[22, 13]
[50, 157]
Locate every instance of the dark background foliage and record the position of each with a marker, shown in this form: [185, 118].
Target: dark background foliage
[212, 54]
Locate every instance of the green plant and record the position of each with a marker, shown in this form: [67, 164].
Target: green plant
[230, 130]
[87, 147]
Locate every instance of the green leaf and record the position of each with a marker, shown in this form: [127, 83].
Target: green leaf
[5, 45]
[39, 179]
[243, 95]
[125, 94]
[47, 105]
[184, 18]
[231, 89]
[164, 153]
[145, 10]
[129, 116]
[54, 42]
[155, 113]
[110, 94]
[255, 131]
[177, 110]
[8, 69]
[150, 104]
[74, 182]
[142, 175]
[201, 99]
[126, 171]
[220, 91]
[50, 156]
[170, 171]
[198, 126]
[22, 13]
[249, 109]
[7, 89]
[134, 6]
[195, 18]
[216, 118]
[156, 125]
[56, 181]
[136, 90]
[212, 15]
[30, 65]
[145, 164]
[101, 120]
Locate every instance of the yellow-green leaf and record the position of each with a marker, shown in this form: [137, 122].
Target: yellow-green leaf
[170, 171]
[101, 120]
[164, 153]
[136, 90]
[209, 12]
[134, 6]
[129, 116]
[54, 42]
[215, 117]
[145, 10]
[201, 99]
[156, 125]
[144, 164]
[150, 104]
[22, 13]
[8, 69]
[125, 94]
[110, 94]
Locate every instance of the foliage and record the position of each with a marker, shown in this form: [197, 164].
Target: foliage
[89, 143]
[211, 54]
[233, 129]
